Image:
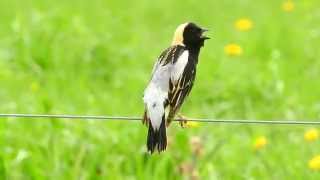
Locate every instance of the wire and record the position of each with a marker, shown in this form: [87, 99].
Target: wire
[126, 118]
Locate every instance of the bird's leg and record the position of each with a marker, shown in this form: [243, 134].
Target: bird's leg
[168, 123]
[183, 121]
[145, 120]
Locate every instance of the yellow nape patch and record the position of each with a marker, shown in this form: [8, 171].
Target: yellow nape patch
[178, 35]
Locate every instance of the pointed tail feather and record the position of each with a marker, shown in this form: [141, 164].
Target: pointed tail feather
[157, 138]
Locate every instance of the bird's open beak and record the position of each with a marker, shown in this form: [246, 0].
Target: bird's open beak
[203, 36]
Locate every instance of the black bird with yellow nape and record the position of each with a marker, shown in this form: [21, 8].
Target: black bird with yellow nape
[172, 79]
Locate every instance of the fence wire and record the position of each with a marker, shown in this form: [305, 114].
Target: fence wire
[127, 118]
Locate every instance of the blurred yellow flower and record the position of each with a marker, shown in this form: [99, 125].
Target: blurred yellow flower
[191, 124]
[288, 6]
[260, 142]
[243, 24]
[34, 86]
[233, 49]
[314, 163]
[311, 135]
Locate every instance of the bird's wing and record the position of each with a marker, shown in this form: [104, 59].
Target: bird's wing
[158, 87]
[181, 82]
[167, 56]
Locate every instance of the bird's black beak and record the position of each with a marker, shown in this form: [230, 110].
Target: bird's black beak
[203, 36]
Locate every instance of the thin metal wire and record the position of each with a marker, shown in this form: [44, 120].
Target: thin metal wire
[126, 118]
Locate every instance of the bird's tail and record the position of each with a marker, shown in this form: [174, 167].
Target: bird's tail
[157, 138]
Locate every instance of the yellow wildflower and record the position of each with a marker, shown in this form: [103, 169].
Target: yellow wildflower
[288, 6]
[34, 86]
[311, 135]
[191, 124]
[314, 163]
[260, 142]
[243, 24]
[233, 49]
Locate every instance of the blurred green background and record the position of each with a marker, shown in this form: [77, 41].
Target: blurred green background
[95, 58]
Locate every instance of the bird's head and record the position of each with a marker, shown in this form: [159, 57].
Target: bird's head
[189, 34]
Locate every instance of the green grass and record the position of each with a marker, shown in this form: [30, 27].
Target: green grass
[95, 58]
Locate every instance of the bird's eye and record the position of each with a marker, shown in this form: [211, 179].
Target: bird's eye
[196, 31]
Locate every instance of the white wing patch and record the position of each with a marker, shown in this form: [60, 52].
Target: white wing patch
[179, 66]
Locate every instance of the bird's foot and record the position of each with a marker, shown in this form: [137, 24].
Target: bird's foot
[183, 121]
[168, 123]
[145, 119]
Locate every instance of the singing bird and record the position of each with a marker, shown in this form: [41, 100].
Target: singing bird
[171, 82]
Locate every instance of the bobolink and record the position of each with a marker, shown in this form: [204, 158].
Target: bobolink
[171, 82]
